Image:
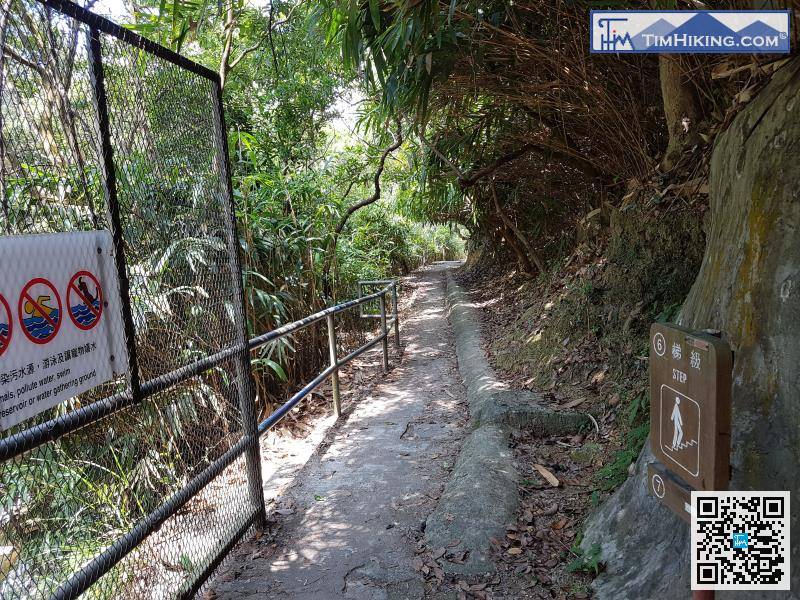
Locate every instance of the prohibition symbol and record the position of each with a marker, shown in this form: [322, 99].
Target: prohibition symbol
[6, 326]
[40, 310]
[85, 300]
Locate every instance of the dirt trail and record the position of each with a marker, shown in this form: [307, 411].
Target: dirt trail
[357, 509]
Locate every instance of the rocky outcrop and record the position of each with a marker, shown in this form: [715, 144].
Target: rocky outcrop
[748, 287]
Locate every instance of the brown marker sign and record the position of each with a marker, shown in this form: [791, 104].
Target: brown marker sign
[690, 393]
[670, 490]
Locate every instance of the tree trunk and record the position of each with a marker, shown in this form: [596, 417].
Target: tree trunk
[682, 108]
[524, 262]
[529, 253]
[749, 289]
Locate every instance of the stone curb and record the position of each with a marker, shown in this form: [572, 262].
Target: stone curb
[481, 496]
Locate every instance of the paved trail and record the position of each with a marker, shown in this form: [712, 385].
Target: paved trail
[360, 503]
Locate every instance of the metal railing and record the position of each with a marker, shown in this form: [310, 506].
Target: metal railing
[147, 127]
[336, 363]
[58, 427]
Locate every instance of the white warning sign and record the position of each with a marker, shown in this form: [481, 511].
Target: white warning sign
[61, 330]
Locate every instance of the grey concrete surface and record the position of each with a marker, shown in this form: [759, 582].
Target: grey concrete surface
[481, 497]
[360, 504]
[490, 400]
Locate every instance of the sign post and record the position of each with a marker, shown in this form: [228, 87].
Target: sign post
[690, 415]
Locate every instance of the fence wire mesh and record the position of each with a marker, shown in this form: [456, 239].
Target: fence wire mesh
[87, 507]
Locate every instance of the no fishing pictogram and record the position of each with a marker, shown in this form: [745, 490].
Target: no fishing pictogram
[6, 325]
[84, 300]
[40, 310]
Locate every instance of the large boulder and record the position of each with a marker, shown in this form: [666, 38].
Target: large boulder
[748, 287]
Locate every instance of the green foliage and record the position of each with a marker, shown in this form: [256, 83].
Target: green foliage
[587, 562]
[614, 474]
[295, 171]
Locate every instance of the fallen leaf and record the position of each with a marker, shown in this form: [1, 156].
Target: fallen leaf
[574, 403]
[551, 479]
[514, 551]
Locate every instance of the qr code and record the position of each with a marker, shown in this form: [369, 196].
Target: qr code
[740, 540]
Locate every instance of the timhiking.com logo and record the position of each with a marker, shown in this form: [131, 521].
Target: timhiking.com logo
[684, 31]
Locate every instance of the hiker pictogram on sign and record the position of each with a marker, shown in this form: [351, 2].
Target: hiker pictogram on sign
[6, 326]
[40, 310]
[85, 300]
[680, 430]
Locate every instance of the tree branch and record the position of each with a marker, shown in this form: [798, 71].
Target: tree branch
[11, 53]
[327, 286]
[475, 176]
[377, 182]
[432, 147]
[531, 253]
[565, 155]
[272, 26]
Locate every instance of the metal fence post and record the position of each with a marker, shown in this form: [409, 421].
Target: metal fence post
[109, 180]
[385, 333]
[337, 403]
[242, 362]
[396, 315]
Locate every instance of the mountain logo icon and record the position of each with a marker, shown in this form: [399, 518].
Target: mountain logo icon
[690, 32]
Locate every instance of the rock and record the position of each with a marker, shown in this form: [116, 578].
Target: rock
[748, 288]
[479, 499]
[586, 453]
[481, 496]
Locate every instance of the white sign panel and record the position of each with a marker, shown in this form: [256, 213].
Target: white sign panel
[61, 330]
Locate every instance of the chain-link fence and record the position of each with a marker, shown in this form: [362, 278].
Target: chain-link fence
[136, 488]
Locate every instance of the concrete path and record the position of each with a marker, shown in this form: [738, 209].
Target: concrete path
[359, 505]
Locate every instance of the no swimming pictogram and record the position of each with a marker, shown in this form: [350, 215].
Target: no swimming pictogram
[84, 300]
[6, 325]
[40, 310]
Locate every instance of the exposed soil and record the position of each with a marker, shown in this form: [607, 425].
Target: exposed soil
[536, 559]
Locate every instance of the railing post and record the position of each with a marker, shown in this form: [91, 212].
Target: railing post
[385, 333]
[244, 381]
[337, 403]
[396, 315]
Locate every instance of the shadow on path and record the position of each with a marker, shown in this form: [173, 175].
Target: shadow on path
[361, 501]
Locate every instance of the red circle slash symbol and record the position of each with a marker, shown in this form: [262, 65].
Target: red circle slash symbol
[84, 300]
[6, 325]
[40, 310]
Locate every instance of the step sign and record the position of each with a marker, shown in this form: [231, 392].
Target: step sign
[690, 397]
[61, 330]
